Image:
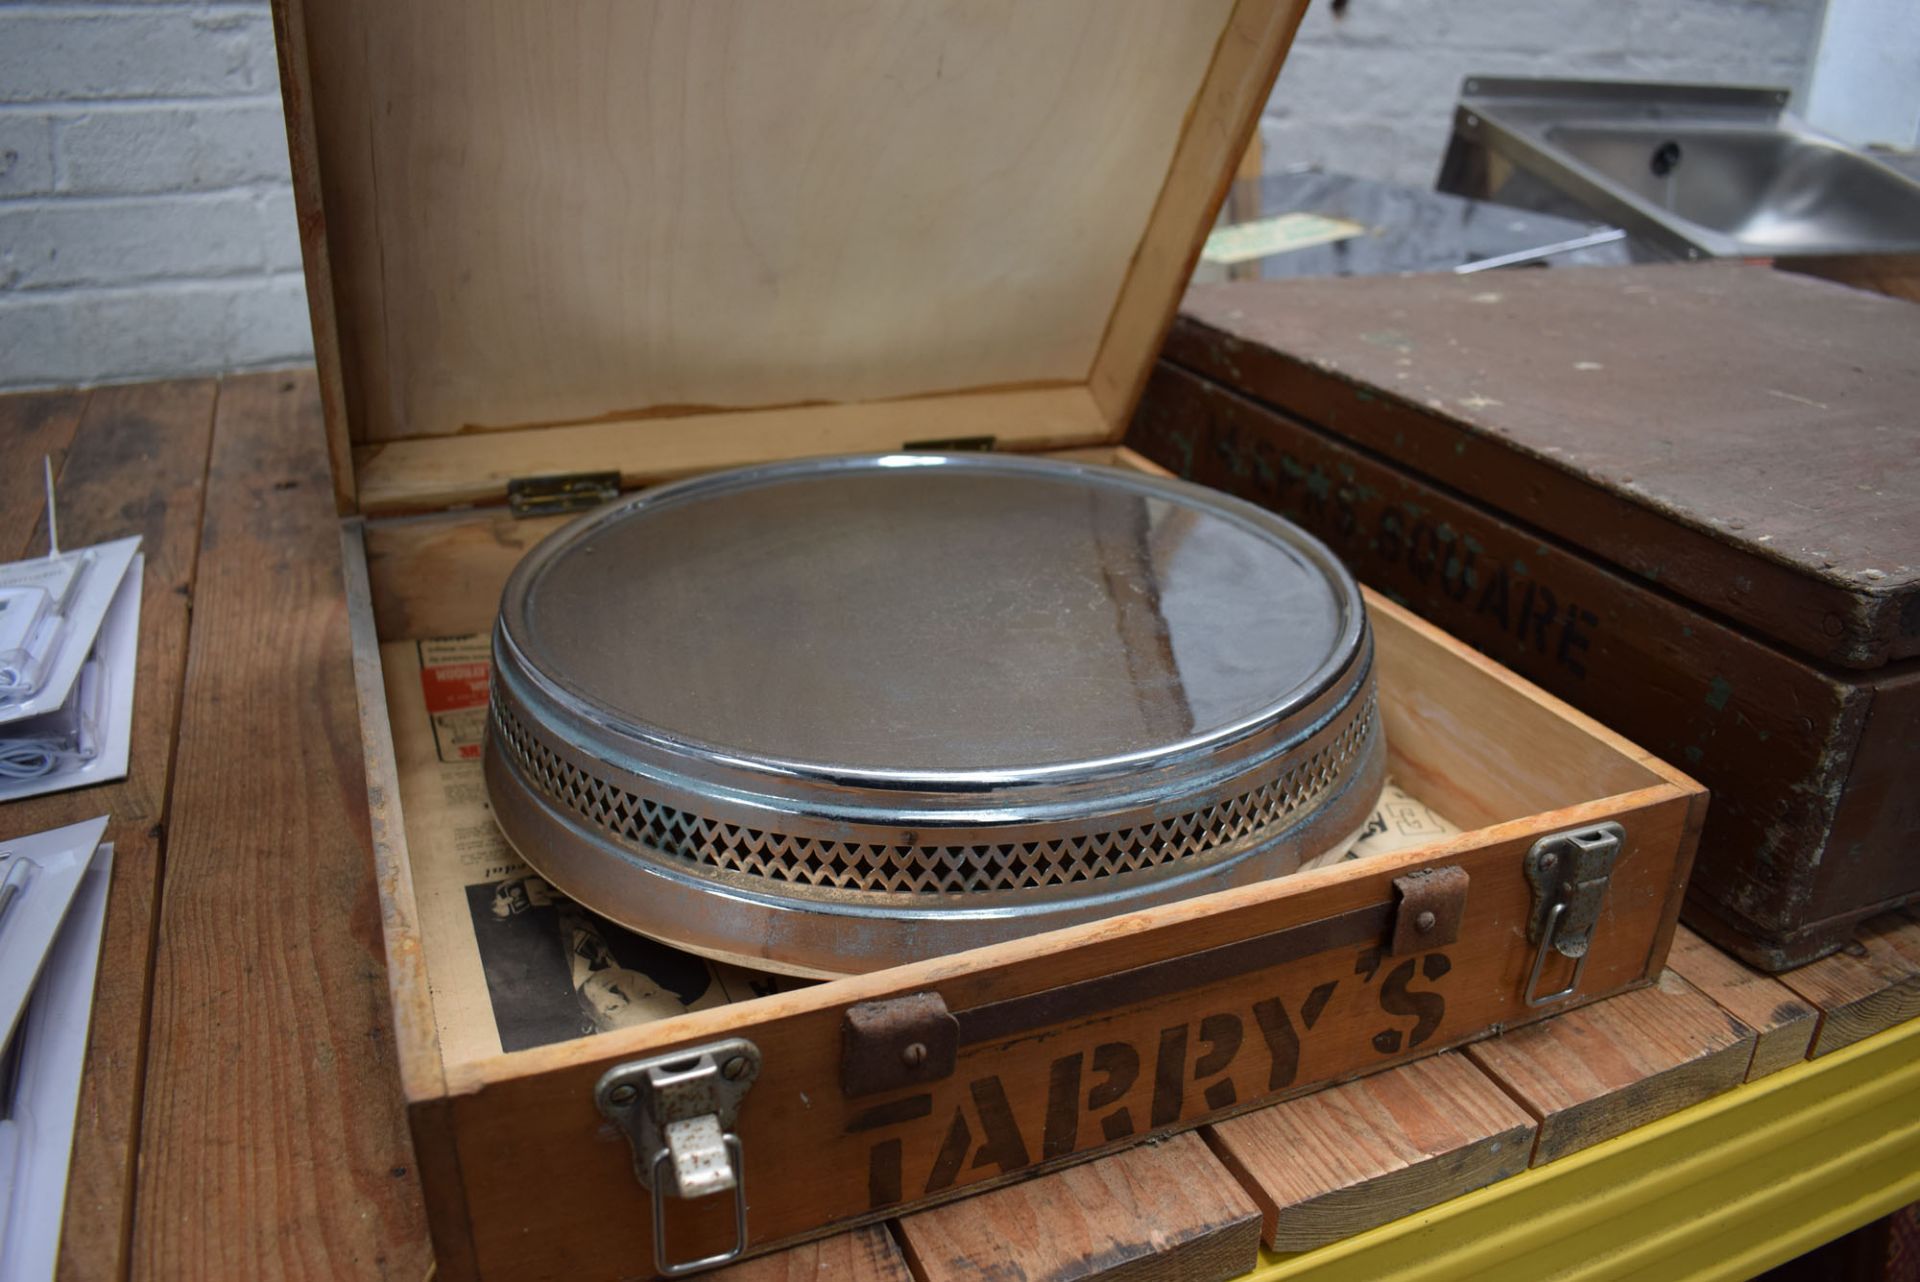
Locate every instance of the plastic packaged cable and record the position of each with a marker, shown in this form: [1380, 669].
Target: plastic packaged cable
[37, 601]
[64, 739]
[29, 633]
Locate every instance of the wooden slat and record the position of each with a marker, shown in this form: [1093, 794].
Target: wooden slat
[864, 1255]
[273, 1140]
[1872, 984]
[1715, 1193]
[1169, 1210]
[136, 466]
[433, 473]
[1783, 1024]
[1342, 1160]
[33, 425]
[1599, 1071]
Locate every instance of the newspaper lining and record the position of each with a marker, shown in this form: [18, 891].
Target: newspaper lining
[516, 964]
[1400, 821]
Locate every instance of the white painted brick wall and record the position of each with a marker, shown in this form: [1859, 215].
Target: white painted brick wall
[1371, 91]
[146, 224]
[146, 217]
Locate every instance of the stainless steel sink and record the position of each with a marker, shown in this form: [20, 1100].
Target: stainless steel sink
[1695, 171]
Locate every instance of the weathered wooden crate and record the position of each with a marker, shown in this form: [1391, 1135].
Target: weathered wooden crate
[651, 239]
[1685, 499]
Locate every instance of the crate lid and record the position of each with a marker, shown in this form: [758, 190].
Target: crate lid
[1739, 436]
[656, 237]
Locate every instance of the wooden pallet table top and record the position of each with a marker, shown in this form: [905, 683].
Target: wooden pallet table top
[240, 1113]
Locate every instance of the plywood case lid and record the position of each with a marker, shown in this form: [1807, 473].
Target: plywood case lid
[636, 224]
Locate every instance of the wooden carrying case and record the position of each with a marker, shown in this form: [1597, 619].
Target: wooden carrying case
[650, 239]
[1686, 499]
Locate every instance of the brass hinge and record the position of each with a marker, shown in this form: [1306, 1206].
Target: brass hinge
[951, 444]
[567, 492]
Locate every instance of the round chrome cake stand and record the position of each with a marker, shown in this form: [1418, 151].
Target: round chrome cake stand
[836, 715]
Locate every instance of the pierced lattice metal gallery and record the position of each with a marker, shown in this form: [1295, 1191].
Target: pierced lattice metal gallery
[924, 869]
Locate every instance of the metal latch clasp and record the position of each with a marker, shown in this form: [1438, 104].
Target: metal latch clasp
[1568, 872]
[679, 1113]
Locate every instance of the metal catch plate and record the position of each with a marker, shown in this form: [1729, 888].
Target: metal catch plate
[1571, 868]
[646, 1096]
[1569, 873]
[679, 1112]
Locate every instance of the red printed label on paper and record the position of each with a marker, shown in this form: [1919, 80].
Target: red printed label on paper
[453, 677]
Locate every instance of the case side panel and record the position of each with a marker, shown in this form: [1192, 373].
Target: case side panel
[416, 1039]
[417, 1042]
[1479, 744]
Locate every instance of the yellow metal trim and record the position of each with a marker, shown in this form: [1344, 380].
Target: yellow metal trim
[1719, 1191]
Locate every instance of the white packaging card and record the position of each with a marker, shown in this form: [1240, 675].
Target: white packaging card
[38, 877]
[115, 660]
[40, 1095]
[57, 604]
